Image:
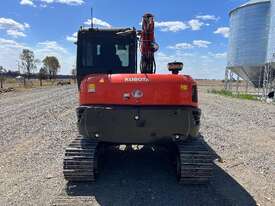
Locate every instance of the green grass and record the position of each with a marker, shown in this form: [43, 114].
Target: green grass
[231, 94]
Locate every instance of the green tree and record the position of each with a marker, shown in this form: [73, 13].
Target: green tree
[2, 77]
[43, 73]
[28, 62]
[52, 65]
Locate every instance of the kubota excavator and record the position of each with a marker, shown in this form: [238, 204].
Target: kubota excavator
[120, 106]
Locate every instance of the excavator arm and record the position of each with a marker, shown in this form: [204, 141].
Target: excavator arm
[148, 46]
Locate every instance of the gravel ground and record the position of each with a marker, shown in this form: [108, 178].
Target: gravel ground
[34, 129]
[242, 132]
[36, 126]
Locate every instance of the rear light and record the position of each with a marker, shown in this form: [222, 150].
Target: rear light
[184, 87]
[91, 88]
[194, 93]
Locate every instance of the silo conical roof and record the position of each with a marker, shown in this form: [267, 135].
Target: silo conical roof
[251, 2]
[254, 2]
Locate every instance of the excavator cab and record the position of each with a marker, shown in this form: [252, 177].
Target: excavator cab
[106, 51]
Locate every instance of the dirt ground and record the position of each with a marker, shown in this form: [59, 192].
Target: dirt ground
[36, 126]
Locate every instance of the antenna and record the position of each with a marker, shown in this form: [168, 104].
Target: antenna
[92, 18]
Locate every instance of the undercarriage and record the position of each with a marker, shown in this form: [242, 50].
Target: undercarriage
[175, 128]
[194, 161]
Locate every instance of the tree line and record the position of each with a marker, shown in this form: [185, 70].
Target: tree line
[28, 66]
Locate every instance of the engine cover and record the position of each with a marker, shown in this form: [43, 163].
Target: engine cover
[138, 89]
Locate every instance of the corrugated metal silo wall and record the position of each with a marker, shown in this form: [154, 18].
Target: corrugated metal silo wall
[271, 43]
[248, 42]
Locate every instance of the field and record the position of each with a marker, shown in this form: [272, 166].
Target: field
[18, 85]
[208, 85]
[36, 125]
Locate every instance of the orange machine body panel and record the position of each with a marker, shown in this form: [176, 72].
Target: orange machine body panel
[137, 90]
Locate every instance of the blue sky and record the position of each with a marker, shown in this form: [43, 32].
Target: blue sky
[192, 31]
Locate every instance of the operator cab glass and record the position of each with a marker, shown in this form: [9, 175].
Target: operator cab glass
[103, 55]
[107, 51]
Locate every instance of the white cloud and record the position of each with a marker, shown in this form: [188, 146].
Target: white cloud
[9, 44]
[195, 24]
[198, 65]
[195, 43]
[15, 33]
[221, 55]
[207, 17]
[224, 31]
[13, 28]
[201, 43]
[45, 2]
[181, 46]
[173, 26]
[72, 38]
[27, 26]
[51, 47]
[98, 23]
[163, 57]
[218, 55]
[27, 2]
[68, 2]
[9, 53]
[7, 23]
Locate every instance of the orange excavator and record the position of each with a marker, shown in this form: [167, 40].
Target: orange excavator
[118, 105]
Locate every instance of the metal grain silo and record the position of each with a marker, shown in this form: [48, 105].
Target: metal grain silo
[271, 41]
[248, 42]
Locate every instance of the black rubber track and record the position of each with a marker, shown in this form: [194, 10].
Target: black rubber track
[194, 162]
[80, 161]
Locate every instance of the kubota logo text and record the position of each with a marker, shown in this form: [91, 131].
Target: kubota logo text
[136, 79]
